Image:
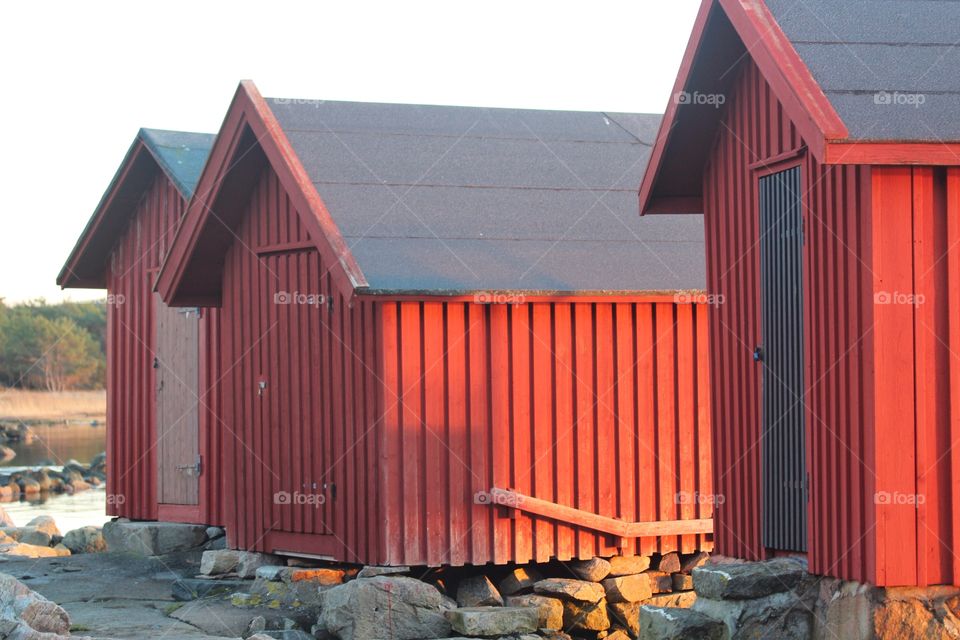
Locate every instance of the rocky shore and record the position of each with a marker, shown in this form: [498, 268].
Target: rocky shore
[73, 477]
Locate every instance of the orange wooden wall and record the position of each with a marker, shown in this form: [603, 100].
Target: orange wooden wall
[600, 406]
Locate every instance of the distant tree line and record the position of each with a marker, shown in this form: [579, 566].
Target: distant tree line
[56, 347]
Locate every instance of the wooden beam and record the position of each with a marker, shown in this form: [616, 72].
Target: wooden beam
[505, 498]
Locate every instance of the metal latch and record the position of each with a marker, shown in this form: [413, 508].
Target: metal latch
[196, 468]
[261, 387]
[758, 354]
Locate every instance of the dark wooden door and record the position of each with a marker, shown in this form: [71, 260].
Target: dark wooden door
[178, 407]
[781, 356]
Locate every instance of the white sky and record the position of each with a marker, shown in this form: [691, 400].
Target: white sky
[80, 78]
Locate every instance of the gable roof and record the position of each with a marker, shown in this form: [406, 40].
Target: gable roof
[434, 200]
[179, 155]
[888, 67]
[848, 74]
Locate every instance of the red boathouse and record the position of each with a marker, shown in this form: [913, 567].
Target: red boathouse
[160, 360]
[821, 142]
[446, 336]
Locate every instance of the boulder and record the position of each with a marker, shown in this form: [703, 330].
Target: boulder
[690, 562]
[87, 539]
[519, 580]
[786, 616]
[28, 611]
[550, 609]
[628, 588]
[363, 608]
[32, 551]
[28, 485]
[243, 564]
[373, 572]
[270, 572]
[566, 589]
[30, 535]
[46, 524]
[478, 591]
[5, 519]
[669, 563]
[152, 538]
[747, 580]
[628, 565]
[680, 624]
[320, 577]
[682, 582]
[593, 570]
[585, 616]
[660, 582]
[493, 621]
[625, 614]
[679, 600]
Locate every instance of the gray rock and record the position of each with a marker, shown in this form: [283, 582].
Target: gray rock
[186, 589]
[271, 572]
[87, 539]
[363, 609]
[215, 532]
[373, 572]
[519, 580]
[669, 563]
[628, 588]
[493, 621]
[243, 564]
[30, 535]
[749, 579]
[628, 565]
[45, 524]
[679, 624]
[586, 616]
[27, 612]
[550, 610]
[593, 570]
[153, 538]
[690, 562]
[786, 616]
[566, 589]
[478, 591]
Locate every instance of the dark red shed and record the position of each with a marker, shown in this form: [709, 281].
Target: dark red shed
[428, 308]
[821, 141]
[160, 360]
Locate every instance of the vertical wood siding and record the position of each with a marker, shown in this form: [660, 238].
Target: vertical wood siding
[308, 430]
[131, 344]
[837, 318]
[914, 285]
[598, 406]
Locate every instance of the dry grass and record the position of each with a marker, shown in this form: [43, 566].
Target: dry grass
[45, 405]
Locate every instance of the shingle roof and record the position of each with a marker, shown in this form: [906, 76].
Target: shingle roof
[464, 199]
[181, 154]
[888, 67]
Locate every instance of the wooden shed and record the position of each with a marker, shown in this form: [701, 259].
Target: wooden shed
[446, 337]
[160, 361]
[821, 141]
